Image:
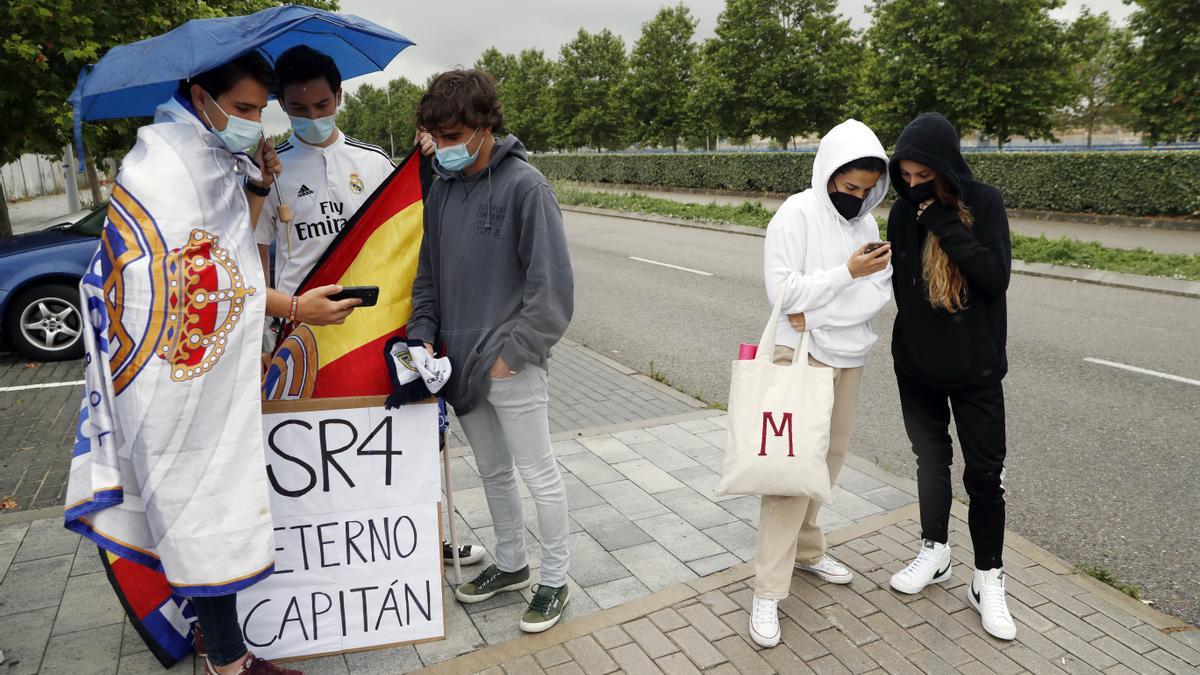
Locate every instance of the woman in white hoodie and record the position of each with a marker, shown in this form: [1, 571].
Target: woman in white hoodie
[825, 244]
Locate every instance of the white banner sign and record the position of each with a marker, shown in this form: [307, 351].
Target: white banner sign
[358, 548]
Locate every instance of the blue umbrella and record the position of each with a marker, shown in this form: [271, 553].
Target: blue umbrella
[131, 80]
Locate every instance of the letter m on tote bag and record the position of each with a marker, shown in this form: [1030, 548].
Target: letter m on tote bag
[784, 429]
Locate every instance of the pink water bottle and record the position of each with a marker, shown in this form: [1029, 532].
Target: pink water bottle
[747, 351]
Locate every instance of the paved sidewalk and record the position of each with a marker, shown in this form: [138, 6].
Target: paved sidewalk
[658, 574]
[1067, 622]
[37, 425]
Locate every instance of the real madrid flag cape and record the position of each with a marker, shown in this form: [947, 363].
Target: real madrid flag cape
[168, 467]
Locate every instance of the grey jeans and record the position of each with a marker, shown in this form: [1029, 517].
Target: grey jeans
[511, 429]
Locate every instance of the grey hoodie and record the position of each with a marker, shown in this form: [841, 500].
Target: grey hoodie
[494, 277]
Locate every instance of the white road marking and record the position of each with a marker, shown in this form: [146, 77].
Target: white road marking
[674, 267]
[26, 387]
[1143, 371]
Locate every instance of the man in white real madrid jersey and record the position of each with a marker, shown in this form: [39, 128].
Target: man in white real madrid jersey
[330, 175]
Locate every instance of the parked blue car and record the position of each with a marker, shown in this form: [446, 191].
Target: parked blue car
[39, 287]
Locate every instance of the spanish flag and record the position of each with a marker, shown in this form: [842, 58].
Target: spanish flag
[378, 247]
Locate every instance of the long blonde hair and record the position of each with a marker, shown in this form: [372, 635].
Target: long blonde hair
[944, 280]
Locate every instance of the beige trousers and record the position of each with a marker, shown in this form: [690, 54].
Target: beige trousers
[787, 530]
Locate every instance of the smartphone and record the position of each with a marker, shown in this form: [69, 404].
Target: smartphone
[873, 246]
[368, 294]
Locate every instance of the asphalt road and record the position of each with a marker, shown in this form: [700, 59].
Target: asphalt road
[1104, 463]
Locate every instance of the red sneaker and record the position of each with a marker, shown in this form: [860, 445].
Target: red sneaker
[252, 665]
[198, 641]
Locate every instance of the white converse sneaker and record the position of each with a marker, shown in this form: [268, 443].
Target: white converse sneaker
[764, 622]
[986, 595]
[830, 570]
[931, 566]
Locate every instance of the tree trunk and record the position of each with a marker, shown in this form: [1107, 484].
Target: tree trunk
[93, 178]
[1091, 127]
[5, 223]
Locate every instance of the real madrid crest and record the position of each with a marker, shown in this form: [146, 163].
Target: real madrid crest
[356, 184]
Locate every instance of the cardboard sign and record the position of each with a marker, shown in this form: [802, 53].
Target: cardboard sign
[355, 493]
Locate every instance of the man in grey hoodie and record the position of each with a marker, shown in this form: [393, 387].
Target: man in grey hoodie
[494, 286]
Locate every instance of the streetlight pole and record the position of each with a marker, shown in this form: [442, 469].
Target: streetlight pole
[387, 89]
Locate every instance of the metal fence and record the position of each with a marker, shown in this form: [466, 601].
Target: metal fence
[32, 176]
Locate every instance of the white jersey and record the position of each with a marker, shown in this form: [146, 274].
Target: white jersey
[324, 187]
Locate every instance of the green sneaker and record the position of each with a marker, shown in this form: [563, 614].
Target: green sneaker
[490, 582]
[546, 608]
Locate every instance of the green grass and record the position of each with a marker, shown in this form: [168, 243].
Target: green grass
[1062, 251]
[659, 376]
[750, 213]
[1100, 574]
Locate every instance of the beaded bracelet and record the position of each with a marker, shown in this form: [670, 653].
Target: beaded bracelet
[295, 309]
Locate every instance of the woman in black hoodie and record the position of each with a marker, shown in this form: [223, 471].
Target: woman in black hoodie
[952, 259]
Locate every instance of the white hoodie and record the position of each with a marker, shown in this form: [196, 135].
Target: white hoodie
[809, 242]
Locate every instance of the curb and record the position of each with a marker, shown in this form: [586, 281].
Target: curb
[1135, 282]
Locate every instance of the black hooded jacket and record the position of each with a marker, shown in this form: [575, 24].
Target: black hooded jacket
[931, 345]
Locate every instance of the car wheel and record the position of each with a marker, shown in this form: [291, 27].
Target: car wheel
[44, 323]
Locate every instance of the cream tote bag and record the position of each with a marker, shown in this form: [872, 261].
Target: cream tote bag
[778, 423]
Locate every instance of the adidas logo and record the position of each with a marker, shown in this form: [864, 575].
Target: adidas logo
[304, 191]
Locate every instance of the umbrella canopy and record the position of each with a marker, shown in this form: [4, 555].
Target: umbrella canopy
[131, 80]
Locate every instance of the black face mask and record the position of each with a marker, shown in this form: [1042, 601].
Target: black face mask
[847, 205]
[917, 194]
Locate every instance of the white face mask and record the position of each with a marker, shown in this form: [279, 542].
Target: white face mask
[239, 134]
[313, 131]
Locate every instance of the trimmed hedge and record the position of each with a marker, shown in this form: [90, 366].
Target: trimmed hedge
[1113, 183]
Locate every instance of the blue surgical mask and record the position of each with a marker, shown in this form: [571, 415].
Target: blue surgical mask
[239, 135]
[456, 157]
[314, 132]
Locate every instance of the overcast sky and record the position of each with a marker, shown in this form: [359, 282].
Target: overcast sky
[454, 33]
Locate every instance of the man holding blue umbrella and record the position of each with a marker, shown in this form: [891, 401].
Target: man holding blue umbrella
[168, 464]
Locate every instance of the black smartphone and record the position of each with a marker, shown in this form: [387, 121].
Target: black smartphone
[875, 245]
[368, 294]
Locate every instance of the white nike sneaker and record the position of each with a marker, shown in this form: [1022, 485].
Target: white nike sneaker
[931, 566]
[764, 622]
[987, 596]
[830, 570]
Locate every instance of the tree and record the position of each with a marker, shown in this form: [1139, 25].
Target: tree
[49, 41]
[589, 110]
[366, 115]
[1158, 76]
[704, 103]
[1095, 44]
[997, 67]
[661, 76]
[525, 85]
[784, 67]
[499, 65]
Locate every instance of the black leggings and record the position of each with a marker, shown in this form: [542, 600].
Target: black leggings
[218, 618]
[979, 421]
